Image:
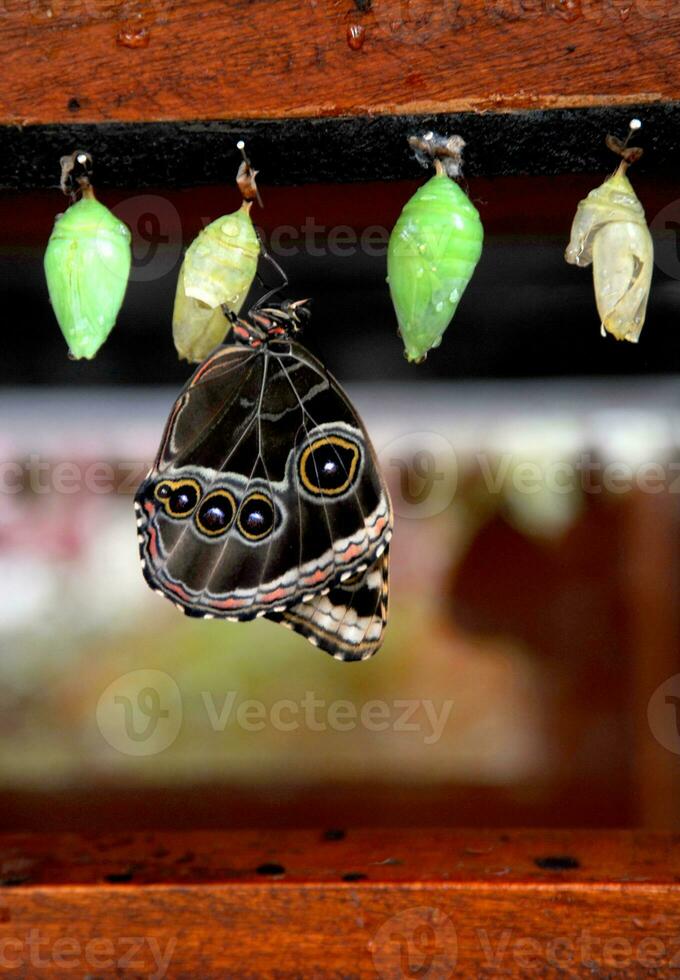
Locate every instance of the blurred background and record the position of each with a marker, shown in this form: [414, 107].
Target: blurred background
[531, 668]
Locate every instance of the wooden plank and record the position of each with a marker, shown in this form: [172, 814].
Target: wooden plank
[332, 904]
[107, 60]
[284, 77]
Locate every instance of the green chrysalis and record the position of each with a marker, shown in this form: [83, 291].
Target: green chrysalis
[87, 265]
[433, 250]
[218, 270]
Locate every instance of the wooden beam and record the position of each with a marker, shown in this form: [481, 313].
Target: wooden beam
[338, 904]
[160, 91]
[115, 60]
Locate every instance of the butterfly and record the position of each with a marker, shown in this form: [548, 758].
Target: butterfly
[265, 499]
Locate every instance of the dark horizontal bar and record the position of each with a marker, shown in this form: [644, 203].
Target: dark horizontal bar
[292, 151]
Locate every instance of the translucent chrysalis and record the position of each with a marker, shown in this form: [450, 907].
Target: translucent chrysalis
[433, 249]
[87, 262]
[610, 230]
[217, 272]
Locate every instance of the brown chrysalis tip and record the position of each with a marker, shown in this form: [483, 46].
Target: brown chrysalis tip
[245, 178]
[446, 151]
[76, 174]
[628, 154]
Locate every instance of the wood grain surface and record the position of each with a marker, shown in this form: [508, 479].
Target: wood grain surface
[122, 60]
[341, 903]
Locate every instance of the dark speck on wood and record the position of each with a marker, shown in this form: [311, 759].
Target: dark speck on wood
[271, 869]
[334, 834]
[185, 858]
[557, 862]
[11, 881]
[120, 877]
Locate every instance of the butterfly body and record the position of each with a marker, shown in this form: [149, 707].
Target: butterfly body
[265, 498]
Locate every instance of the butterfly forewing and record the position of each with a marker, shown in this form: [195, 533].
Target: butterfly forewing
[265, 494]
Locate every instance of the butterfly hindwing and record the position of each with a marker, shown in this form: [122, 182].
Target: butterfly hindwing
[349, 620]
[265, 494]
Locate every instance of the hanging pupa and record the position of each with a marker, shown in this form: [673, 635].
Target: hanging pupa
[433, 248]
[610, 230]
[217, 272]
[87, 262]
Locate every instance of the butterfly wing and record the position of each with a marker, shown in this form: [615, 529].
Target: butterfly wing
[349, 620]
[265, 495]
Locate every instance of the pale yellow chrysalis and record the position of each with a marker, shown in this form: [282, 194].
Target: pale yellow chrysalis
[217, 271]
[610, 230]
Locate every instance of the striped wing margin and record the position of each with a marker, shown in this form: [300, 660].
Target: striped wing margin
[348, 621]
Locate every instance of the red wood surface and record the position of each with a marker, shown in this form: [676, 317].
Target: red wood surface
[98, 60]
[390, 904]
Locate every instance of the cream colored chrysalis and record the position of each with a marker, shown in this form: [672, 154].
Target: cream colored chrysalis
[216, 275]
[610, 230]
